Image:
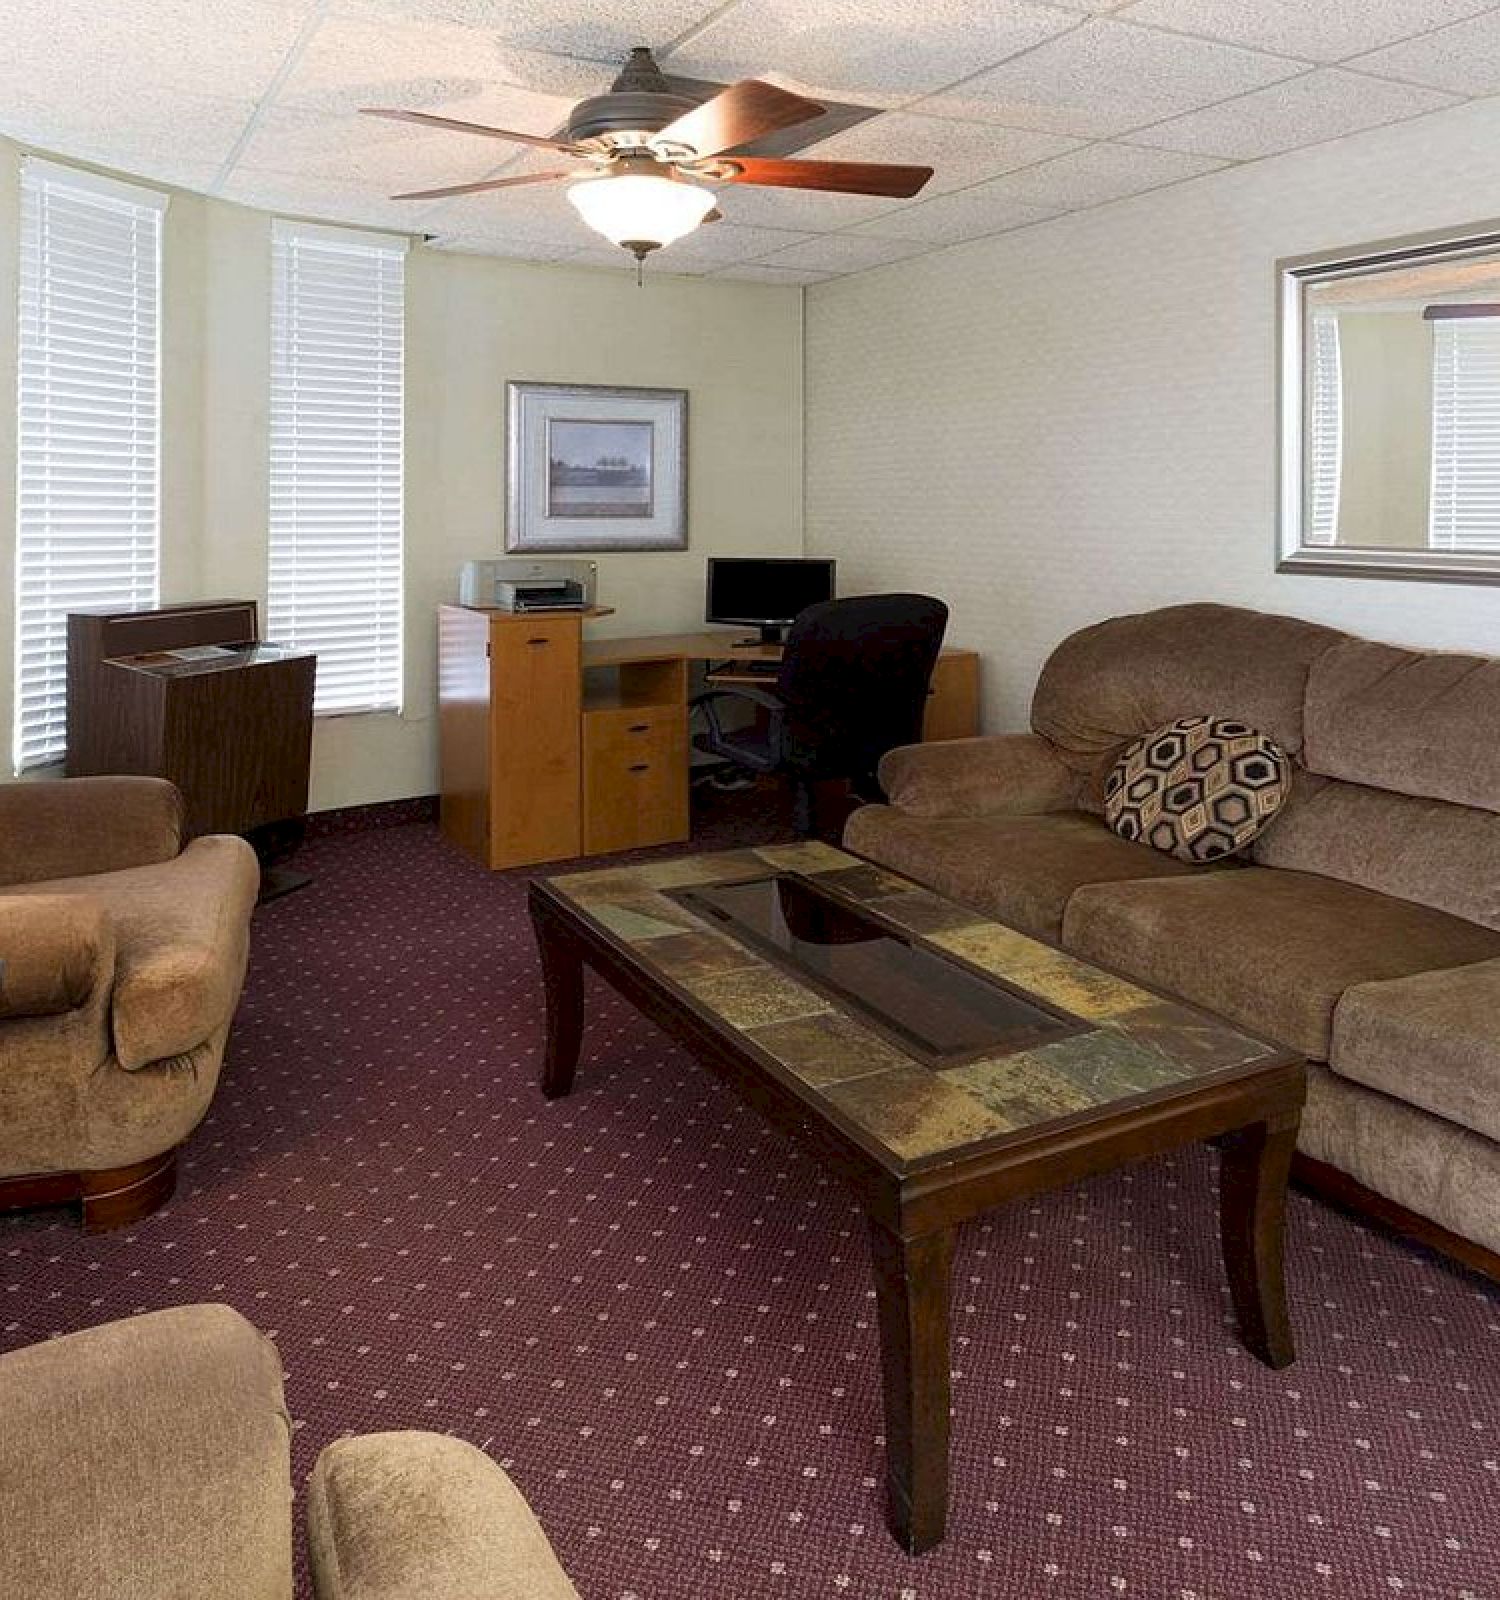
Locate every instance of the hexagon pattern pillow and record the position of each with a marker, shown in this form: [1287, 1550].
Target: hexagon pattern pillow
[1199, 788]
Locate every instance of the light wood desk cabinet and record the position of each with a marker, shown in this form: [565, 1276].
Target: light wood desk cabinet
[554, 746]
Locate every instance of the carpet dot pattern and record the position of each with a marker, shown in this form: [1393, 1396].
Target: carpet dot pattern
[659, 1317]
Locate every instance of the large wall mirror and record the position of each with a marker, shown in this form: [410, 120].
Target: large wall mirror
[1390, 409]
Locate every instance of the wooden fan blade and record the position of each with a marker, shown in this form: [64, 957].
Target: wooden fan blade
[484, 184]
[842, 177]
[742, 112]
[428, 120]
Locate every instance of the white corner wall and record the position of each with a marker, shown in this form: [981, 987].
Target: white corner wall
[472, 324]
[1078, 419]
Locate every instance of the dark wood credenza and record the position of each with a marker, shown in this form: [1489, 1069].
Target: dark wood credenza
[192, 693]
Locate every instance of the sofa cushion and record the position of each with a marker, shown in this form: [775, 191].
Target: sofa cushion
[1419, 722]
[1021, 870]
[1199, 788]
[54, 951]
[1439, 854]
[181, 938]
[1432, 1040]
[1272, 951]
[1110, 683]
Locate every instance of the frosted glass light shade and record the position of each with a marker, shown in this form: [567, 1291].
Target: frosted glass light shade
[631, 208]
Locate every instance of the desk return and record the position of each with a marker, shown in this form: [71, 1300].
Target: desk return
[554, 746]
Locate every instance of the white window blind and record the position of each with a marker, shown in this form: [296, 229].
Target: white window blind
[1465, 433]
[88, 425]
[1325, 433]
[336, 442]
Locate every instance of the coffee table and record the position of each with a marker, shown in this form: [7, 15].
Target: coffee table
[942, 1063]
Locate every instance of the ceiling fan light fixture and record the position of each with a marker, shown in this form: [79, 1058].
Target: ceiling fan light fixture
[641, 211]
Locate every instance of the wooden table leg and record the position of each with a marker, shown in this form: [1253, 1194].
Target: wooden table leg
[1253, 1166]
[562, 979]
[911, 1282]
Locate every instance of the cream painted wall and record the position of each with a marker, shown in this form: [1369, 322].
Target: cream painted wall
[1078, 419]
[472, 324]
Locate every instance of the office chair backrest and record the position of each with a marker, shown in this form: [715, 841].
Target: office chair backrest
[854, 680]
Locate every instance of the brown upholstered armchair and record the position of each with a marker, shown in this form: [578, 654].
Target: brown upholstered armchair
[122, 954]
[152, 1457]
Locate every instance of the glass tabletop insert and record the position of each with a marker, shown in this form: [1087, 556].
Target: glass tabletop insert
[936, 1007]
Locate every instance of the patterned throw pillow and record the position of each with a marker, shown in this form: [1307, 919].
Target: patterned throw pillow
[1199, 788]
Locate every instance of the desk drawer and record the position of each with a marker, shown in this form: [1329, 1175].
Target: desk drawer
[635, 779]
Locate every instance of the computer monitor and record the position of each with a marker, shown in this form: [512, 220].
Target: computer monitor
[766, 593]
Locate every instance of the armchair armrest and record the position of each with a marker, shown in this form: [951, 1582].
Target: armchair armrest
[420, 1516]
[73, 827]
[150, 1456]
[1014, 773]
[55, 950]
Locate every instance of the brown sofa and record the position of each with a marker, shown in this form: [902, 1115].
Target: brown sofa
[1362, 928]
[152, 1457]
[122, 954]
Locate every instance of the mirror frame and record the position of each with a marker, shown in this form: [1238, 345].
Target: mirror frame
[1293, 276]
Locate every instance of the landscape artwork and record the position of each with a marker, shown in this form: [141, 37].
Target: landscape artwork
[599, 468]
[595, 467]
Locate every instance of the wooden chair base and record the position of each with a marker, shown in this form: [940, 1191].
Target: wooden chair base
[109, 1199]
[1339, 1189]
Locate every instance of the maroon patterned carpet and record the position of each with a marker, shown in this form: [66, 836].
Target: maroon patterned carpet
[658, 1316]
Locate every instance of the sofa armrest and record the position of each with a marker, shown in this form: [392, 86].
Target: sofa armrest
[73, 827]
[1015, 773]
[55, 951]
[150, 1456]
[420, 1516]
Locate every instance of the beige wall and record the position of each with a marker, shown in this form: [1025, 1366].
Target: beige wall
[1078, 419]
[1385, 487]
[472, 324]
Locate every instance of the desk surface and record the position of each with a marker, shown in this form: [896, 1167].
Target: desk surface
[714, 645]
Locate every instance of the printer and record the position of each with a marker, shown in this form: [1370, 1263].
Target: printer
[520, 584]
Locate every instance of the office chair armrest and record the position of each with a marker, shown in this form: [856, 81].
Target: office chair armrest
[756, 697]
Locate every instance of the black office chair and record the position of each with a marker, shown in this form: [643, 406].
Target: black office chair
[852, 685]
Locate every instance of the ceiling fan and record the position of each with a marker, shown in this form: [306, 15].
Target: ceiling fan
[647, 154]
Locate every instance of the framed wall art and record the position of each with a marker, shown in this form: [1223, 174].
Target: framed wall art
[595, 468]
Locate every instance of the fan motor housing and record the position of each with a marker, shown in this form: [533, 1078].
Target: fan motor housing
[612, 118]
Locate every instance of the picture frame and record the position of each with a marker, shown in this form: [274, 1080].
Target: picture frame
[593, 467]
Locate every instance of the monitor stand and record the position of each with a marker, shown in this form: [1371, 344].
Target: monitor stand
[770, 633]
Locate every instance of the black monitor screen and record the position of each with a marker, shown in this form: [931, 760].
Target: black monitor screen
[744, 590]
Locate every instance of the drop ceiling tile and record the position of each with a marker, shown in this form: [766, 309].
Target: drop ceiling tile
[952, 218]
[799, 210]
[1319, 30]
[169, 136]
[960, 153]
[513, 250]
[726, 244]
[363, 56]
[870, 51]
[383, 156]
[1325, 104]
[762, 272]
[57, 50]
[1463, 59]
[845, 252]
[321, 200]
[577, 28]
[1099, 173]
[1108, 77]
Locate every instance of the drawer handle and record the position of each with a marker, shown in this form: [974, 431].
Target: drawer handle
[640, 727]
[539, 641]
[641, 766]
